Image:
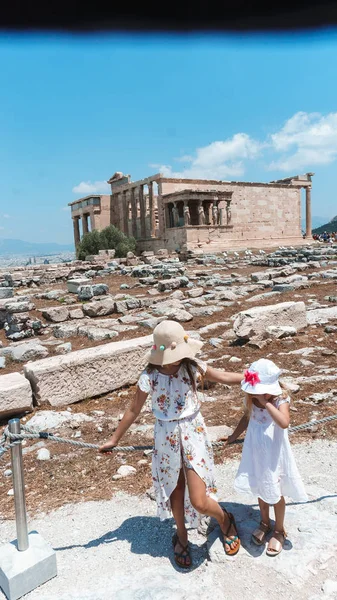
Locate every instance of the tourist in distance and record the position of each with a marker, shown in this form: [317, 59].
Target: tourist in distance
[267, 469]
[182, 464]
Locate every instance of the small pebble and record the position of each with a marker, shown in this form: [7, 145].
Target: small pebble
[10, 493]
[7, 473]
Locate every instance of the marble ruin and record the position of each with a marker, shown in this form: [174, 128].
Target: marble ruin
[177, 214]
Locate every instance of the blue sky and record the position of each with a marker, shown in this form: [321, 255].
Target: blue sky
[73, 110]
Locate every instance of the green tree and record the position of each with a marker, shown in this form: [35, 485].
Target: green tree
[109, 238]
[89, 244]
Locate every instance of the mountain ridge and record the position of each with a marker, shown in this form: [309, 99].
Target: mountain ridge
[16, 246]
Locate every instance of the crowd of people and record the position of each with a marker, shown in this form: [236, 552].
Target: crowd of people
[325, 237]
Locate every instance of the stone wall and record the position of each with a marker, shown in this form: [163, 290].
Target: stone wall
[262, 214]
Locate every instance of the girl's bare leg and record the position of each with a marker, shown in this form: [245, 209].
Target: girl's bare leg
[177, 507]
[280, 509]
[206, 506]
[264, 510]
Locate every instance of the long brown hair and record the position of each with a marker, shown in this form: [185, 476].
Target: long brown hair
[249, 399]
[188, 364]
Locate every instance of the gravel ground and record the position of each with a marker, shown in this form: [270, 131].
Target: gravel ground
[118, 548]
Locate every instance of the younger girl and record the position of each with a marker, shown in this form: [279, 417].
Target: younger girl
[267, 469]
[182, 452]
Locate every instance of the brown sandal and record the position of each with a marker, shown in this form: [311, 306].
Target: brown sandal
[229, 541]
[260, 533]
[184, 554]
[275, 546]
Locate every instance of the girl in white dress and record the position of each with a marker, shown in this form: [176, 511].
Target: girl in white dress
[267, 469]
[182, 463]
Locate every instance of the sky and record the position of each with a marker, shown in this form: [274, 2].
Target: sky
[75, 109]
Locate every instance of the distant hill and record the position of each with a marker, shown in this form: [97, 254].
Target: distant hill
[316, 222]
[328, 227]
[10, 246]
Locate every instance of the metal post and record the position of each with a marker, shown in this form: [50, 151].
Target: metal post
[19, 489]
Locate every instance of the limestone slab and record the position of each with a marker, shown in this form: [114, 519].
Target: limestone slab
[15, 394]
[62, 380]
[22, 572]
[6, 292]
[74, 284]
[253, 322]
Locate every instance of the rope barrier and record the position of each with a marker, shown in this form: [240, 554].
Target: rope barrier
[42, 435]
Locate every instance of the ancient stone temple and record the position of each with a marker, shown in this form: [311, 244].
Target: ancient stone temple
[180, 214]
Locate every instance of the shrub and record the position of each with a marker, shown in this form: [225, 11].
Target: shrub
[109, 238]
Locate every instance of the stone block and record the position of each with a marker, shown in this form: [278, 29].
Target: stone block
[74, 284]
[15, 394]
[100, 308]
[252, 323]
[55, 314]
[22, 572]
[6, 292]
[62, 380]
[322, 315]
[25, 351]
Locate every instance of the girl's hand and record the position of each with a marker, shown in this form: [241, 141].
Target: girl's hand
[107, 447]
[228, 439]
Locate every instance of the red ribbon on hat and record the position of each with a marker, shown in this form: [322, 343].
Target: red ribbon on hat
[252, 377]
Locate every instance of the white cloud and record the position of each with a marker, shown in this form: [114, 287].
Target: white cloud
[66, 208]
[217, 160]
[5, 216]
[306, 140]
[88, 187]
[2, 228]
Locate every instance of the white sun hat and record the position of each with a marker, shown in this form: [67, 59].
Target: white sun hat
[171, 343]
[262, 378]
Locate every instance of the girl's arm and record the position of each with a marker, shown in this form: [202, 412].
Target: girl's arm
[280, 415]
[240, 428]
[129, 417]
[223, 376]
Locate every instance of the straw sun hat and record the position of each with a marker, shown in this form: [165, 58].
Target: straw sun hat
[262, 378]
[171, 343]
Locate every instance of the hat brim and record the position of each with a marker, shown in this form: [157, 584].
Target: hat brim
[262, 388]
[187, 349]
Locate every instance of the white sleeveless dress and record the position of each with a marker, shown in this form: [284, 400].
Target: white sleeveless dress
[268, 469]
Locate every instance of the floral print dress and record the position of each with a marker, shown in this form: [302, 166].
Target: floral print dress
[180, 437]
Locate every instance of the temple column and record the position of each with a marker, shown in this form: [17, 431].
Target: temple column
[142, 212]
[152, 212]
[85, 228]
[134, 213]
[125, 210]
[160, 207]
[308, 224]
[120, 211]
[76, 225]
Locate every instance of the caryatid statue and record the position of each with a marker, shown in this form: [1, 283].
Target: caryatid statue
[215, 213]
[201, 214]
[187, 216]
[228, 211]
[175, 213]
